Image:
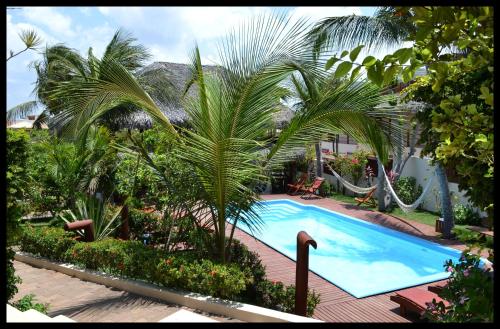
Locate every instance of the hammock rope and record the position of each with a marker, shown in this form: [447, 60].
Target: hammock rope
[405, 207]
[354, 188]
[363, 190]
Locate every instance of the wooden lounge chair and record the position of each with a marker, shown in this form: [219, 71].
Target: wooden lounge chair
[294, 188]
[415, 300]
[310, 190]
[368, 199]
[437, 287]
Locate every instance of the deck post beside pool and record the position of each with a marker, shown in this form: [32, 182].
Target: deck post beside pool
[302, 271]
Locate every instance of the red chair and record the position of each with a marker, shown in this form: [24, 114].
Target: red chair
[437, 287]
[313, 188]
[294, 188]
[415, 300]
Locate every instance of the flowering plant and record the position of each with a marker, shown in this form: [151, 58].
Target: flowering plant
[469, 292]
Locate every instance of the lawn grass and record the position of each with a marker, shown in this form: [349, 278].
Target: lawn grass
[421, 216]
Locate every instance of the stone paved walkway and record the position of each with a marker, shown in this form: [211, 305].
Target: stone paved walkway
[85, 301]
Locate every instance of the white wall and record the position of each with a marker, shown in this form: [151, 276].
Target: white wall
[421, 169]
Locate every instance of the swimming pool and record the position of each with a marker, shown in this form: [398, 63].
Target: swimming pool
[362, 258]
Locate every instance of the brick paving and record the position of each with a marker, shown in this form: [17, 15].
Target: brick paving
[337, 305]
[85, 301]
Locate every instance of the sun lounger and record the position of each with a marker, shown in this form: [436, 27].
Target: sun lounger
[313, 188]
[415, 300]
[294, 188]
[368, 199]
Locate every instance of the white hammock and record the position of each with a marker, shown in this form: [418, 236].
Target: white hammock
[354, 188]
[407, 208]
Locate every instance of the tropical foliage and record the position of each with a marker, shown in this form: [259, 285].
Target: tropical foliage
[231, 112]
[469, 292]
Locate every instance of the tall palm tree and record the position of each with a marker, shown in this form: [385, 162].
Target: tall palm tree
[61, 64]
[232, 111]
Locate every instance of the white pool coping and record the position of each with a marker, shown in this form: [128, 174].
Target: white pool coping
[237, 310]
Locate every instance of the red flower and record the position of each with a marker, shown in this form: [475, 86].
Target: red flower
[168, 261]
[120, 266]
[213, 273]
[355, 161]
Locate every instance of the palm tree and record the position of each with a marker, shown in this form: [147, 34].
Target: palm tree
[61, 64]
[387, 28]
[232, 111]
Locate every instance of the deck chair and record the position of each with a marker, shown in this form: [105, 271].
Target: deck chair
[294, 188]
[437, 287]
[415, 300]
[310, 190]
[368, 199]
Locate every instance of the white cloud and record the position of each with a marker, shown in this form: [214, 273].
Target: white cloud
[50, 18]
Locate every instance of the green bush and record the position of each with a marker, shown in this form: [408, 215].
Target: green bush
[26, 303]
[50, 242]
[12, 278]
[275, 295]
[465, 215]
[469, 292]
[132, 259]
[250, 263]
[407, 189]
[325, 189]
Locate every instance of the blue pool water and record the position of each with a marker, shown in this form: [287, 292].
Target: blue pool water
[362, 258]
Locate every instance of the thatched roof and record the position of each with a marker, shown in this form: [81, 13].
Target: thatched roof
[178, 74]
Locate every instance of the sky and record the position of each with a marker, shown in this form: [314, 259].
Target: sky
[168, 32]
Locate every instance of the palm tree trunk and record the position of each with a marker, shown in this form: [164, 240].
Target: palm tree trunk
[380, 187]
[124, 229]
[318, 160]
[446, 209]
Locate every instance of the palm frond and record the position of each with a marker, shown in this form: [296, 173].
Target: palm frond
[30, 38]
[381, 31]
[21, 110]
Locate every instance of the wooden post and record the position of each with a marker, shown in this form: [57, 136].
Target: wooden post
[302, 271]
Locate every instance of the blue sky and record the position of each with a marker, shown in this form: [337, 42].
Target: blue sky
[168, 32]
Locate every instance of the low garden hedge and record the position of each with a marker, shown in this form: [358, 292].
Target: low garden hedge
[134, 260]
[243, 279]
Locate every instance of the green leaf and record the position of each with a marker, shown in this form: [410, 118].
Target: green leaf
[390, 73]
[343, 69]
[407, 74]
[375, 74]
[403, 54]
[463, 43]
[345, 52]
[355, 72]
[330, 62]
[426, 54]
[355, 52]
[436, 86]
[369, 61]
[481, 138]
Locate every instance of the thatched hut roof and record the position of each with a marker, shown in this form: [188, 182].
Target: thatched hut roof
[178, 74]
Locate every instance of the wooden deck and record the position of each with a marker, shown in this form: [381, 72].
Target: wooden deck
[336, 304]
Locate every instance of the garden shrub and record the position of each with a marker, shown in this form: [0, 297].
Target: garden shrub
[274, 295]
[132, 259]
[26, 303]
[243, 277]
[469, 292]
[472, 238]
[407, 189]
[50, 242]
[325, 189]
[12, 278]
[465, 215]
[251, 265]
